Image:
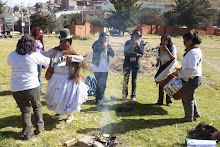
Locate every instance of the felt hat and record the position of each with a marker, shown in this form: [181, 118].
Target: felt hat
[65, 34]
[136, 32]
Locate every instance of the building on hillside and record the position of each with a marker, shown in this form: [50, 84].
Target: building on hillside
[68, 4]
[17, 8]
[58, 2]
[152, 5]
[7, 9]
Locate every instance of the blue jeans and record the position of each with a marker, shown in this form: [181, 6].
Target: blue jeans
[134, 72]
[101, 78]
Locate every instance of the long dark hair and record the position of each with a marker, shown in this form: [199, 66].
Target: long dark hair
[168, 38]
[194, 37]
[36, 33]
[25, 45]
[101, 36]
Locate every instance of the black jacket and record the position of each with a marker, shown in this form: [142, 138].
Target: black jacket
[97, 50]
[128, 52]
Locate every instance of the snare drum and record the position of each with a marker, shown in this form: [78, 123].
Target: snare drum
[174, 88]
[165, 75]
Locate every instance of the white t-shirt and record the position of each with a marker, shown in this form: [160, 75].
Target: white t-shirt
[24, 74]
[193, 60]
[103, 64]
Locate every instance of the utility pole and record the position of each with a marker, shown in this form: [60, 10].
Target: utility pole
[22, 24]
[13, 24]
[29, 24]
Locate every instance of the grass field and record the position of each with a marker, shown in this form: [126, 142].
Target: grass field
[141, 124]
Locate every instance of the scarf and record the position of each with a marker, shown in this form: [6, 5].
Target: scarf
[189, 48]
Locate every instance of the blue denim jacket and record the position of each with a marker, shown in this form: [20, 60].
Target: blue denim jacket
[97, 50]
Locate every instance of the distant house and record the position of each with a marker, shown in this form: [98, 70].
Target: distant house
[7, 22]
[152, 5]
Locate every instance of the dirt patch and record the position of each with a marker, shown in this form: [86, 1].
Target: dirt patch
[116, 63]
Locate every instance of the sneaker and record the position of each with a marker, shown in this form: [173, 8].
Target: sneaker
[159, 104]
[99, 103]
[56, 116]
[36, 132]
[197, 116]
[133, 99]
[187, 119]
[25, 137]
[124, 97]
[69, 118]
[169, 104]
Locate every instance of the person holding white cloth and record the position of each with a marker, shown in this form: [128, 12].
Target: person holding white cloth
[191, 73]
[66, 91]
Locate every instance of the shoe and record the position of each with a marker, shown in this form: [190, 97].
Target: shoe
[25, 137]
[56, 116]
[133, 99]
[37, 132]
[187, 120]
[159, 104]
[124, 97]
[169, 104]
[69, 118]
[99, 102]
[197, 116]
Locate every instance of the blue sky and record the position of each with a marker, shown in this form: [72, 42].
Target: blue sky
[12, 3]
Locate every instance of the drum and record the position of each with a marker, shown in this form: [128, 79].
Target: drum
[166, 73]
[174, 88]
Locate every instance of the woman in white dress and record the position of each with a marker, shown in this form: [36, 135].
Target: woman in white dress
[66, 90]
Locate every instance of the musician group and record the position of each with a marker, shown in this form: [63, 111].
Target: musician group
[66, 90]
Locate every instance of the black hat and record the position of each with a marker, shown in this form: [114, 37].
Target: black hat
[136, 32]
[65, 34]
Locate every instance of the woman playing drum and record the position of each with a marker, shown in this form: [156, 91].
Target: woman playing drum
[166, 52]
[191, 73]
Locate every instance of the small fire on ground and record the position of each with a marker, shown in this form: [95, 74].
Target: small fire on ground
[102, 140]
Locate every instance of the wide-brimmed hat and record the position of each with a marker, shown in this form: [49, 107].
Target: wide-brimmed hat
[136, 32]
[65, 34]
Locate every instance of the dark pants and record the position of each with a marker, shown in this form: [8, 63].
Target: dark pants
[101, 78]
[134, 72]
[23, 100]
[161, 96]
[39, 69]
[188, 97]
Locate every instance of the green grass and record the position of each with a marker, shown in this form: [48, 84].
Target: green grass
[141, 124]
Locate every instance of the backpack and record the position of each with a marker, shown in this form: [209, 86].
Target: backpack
[91, 82]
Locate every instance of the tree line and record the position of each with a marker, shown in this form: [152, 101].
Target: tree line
[127, 14]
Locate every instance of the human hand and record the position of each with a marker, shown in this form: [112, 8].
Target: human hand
[165, 48]
[67, 57]
[139, 55]
[136, 43]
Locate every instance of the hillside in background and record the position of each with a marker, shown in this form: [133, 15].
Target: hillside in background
[215, 3]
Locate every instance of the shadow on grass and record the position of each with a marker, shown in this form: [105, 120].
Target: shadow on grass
[15, 122]
[127, 125]
[126, 109]
[9, 134]
[5, 93]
